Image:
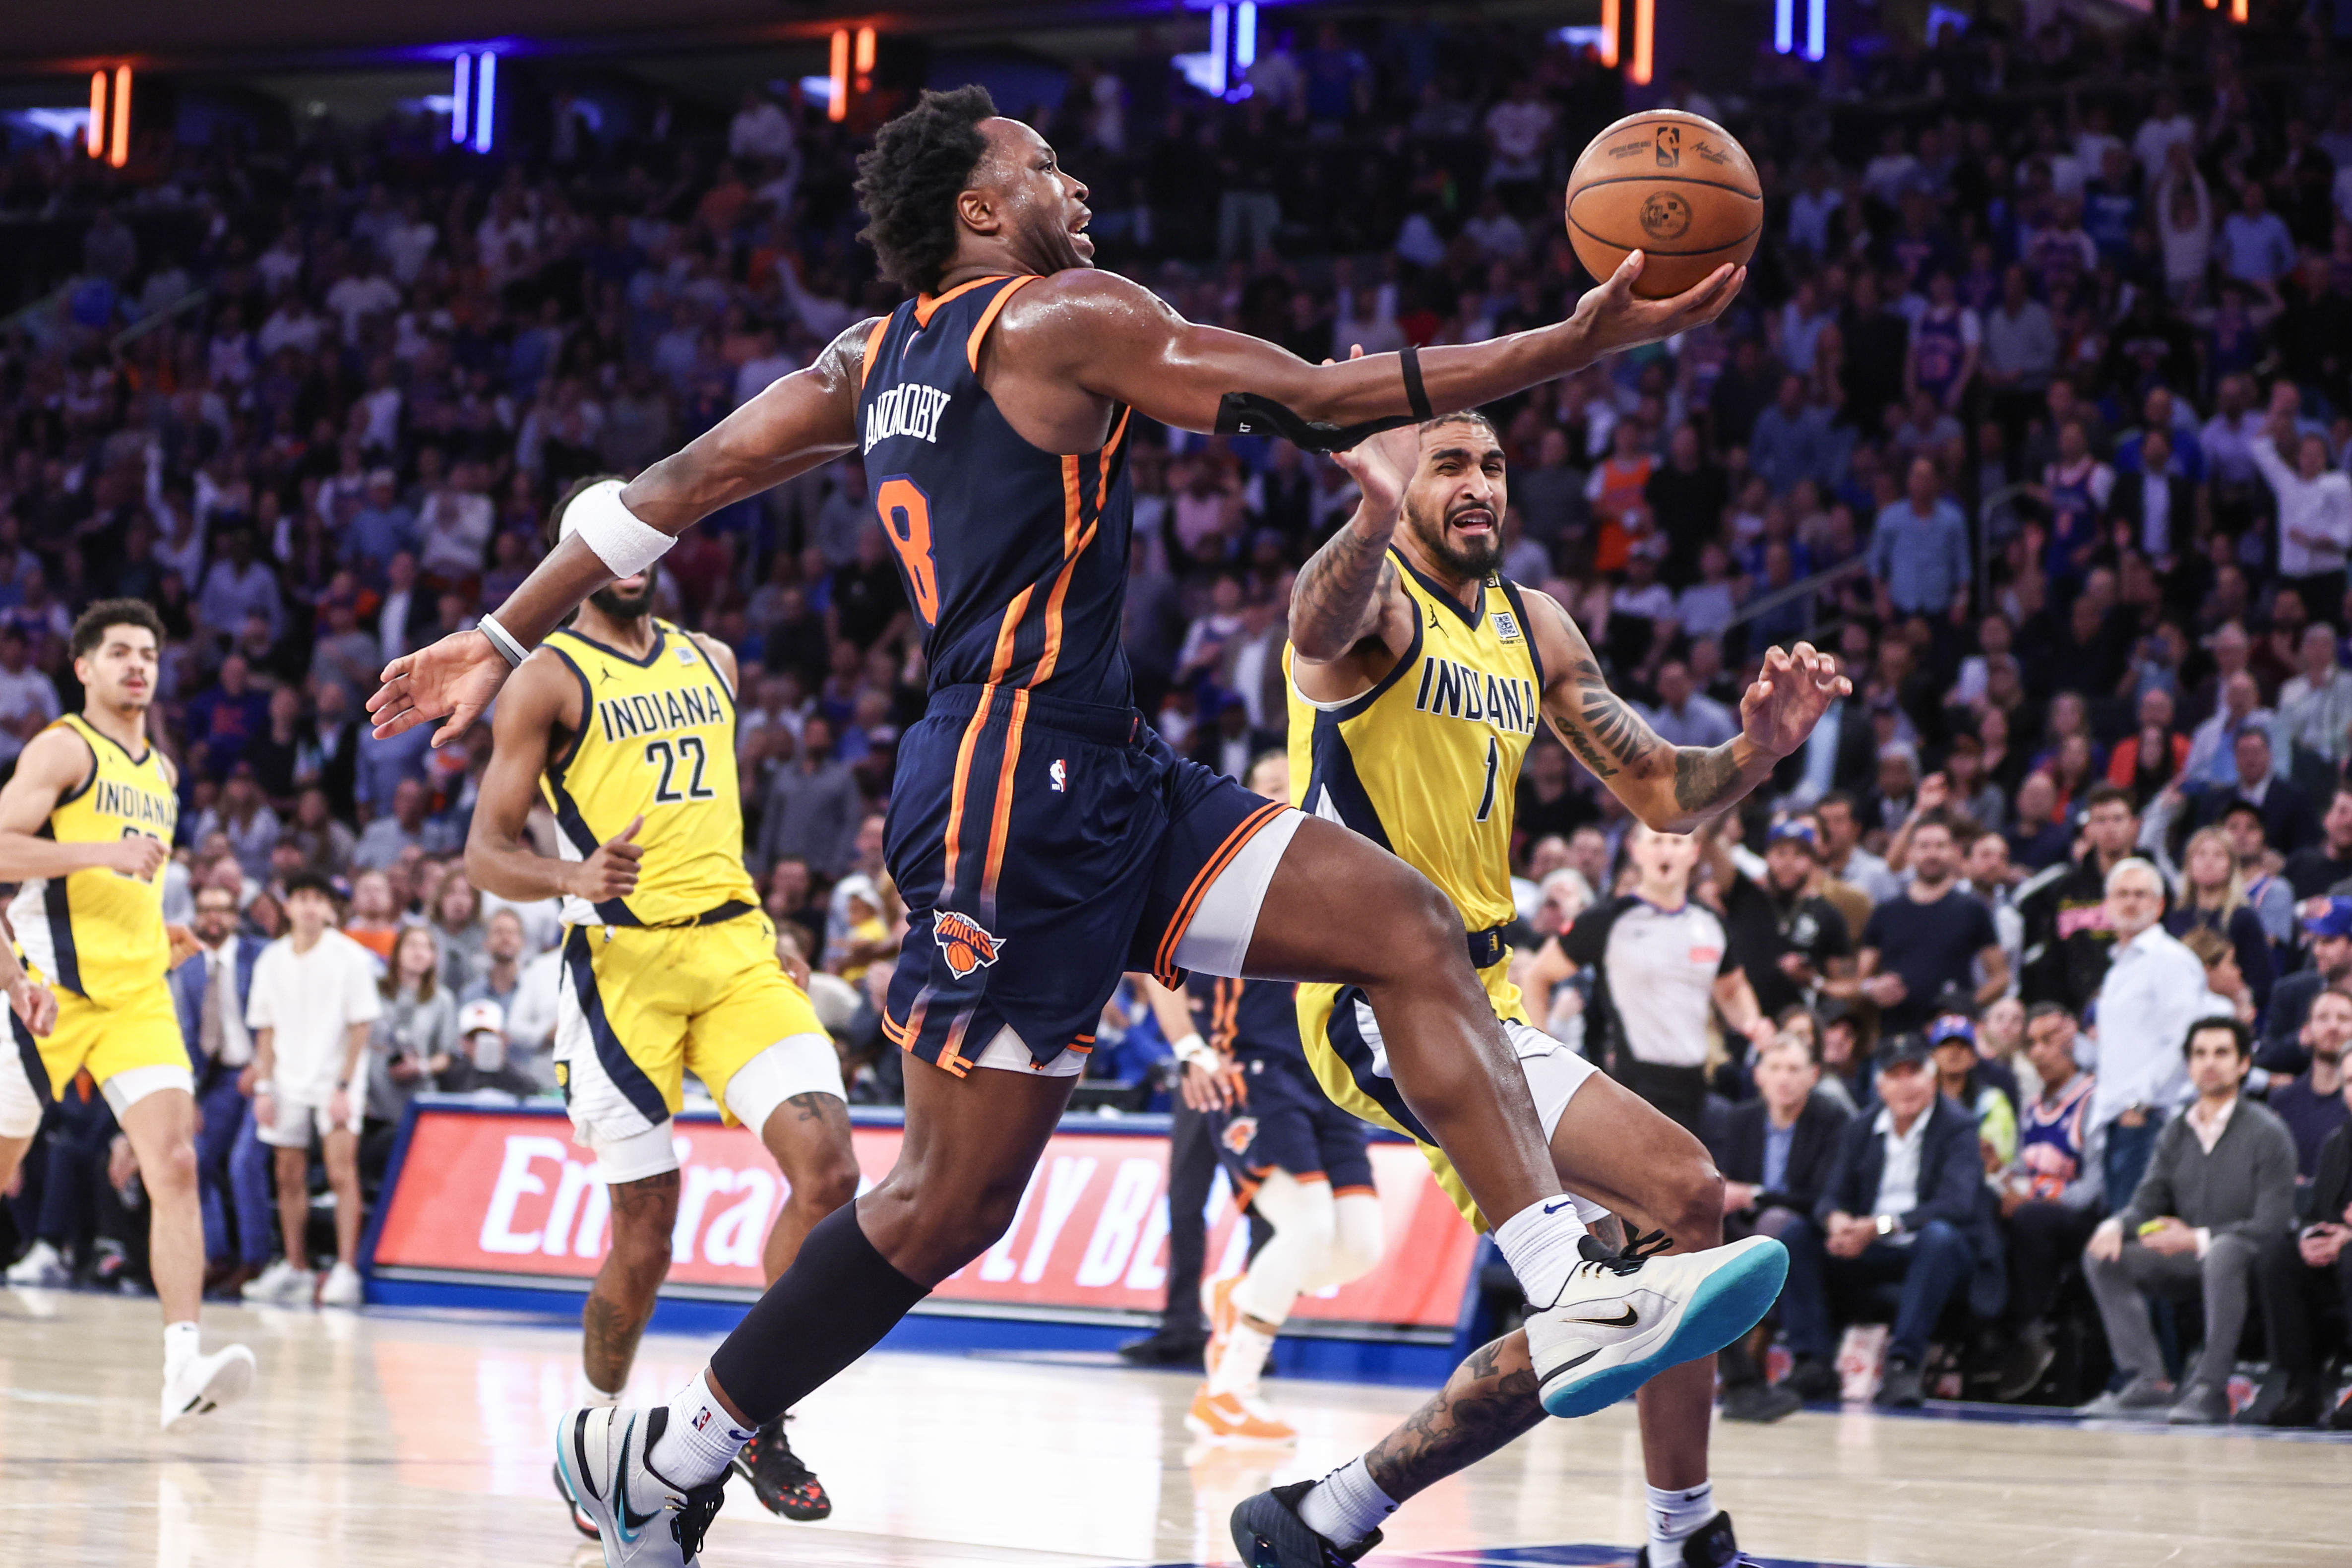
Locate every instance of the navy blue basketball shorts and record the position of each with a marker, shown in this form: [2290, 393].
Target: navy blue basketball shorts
[1044, 849]
[1288, 1123]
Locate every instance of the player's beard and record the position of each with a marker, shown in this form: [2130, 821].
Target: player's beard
[611, 601]
[1464, 561]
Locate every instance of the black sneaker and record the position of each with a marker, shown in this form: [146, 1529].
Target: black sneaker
[1161, 1348]
[1714, 1546]
[1268, 1534]
[580, 1520]
[1812, 1379]
[784, 1486]
[1761, 1403]
[1903, 1388]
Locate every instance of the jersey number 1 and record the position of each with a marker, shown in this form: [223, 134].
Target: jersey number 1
[906, 514]
[1494, 766]
[688, 746]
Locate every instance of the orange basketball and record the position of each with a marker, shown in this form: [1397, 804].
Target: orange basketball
[1676, 187]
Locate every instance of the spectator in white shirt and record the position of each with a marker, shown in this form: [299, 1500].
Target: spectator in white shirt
[293, 325]
[363, 293]
[455, 526]
[2154, 989]
[761, 129]
[2165, 126]
[2315, 506]
[29, 698]
[313, 1002]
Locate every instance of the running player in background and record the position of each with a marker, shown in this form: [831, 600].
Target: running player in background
[1418, 677]
[1044, 838]
[628, 725]
[86, 827]
[1286, 1148]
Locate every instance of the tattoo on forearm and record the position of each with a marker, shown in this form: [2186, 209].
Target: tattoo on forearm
[1705, 778]
[1489, 1402]
[1608, 724]
[1336, 589]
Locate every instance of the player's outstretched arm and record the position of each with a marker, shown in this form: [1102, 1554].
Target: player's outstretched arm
[1676, 788]
[806, 418]
[1117, 338]
[1348, 593]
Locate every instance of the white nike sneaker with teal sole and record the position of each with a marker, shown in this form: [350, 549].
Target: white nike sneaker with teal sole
[1623, 1318]
[642, 1520]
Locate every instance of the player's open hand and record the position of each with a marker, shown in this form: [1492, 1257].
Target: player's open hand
[612, 871]
[1213, 1088]
[184, 945]
[1614, 318]
[1788, 697]
[455, 678]
[35, 1005]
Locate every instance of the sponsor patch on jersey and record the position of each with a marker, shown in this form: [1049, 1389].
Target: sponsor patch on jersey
[1240, 1134]
[968, 944]
[1506, 625]
[685, 653]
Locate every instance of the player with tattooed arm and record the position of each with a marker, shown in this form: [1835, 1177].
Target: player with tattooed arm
[1418, 678]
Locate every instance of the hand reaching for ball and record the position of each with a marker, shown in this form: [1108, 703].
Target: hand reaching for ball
[1614, 318]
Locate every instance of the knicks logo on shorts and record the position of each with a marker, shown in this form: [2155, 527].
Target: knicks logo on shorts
[1240, 1134]
[968, 944]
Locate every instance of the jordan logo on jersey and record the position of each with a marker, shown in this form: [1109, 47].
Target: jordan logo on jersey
[913, 410]
[968, 944]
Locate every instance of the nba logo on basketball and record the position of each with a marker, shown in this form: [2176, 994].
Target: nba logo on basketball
[1670, 146]
[1060, 776]
[968, 945]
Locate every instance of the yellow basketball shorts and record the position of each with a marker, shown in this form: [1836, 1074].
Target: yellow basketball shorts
[131, 1049]
[1351, 1061]
[640, 1006]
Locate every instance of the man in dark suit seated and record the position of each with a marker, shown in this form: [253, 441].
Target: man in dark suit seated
[1775, 1157]
[2288, 821]
[2160, 504]
[1904, 1203]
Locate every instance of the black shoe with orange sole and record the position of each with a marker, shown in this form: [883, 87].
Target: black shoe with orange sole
[785, 1487]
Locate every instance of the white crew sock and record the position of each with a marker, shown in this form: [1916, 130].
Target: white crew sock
[701, 1439]
[586, 1392]
[1540, 1244]
[1677, 1513]
[1347, 1505]
[1246, 1349]
[181, 1345]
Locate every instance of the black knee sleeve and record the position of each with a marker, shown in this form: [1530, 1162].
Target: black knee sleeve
[831, 1306]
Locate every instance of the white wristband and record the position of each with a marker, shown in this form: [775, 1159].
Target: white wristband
[512, 651]
[622, 541]
[1195, 1051]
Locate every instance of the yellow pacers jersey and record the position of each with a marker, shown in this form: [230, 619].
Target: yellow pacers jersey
[1424, 764]
[658, 739]
[98, 932]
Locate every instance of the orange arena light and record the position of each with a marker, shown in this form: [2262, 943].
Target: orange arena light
[864, 50]
[838, 109]
[1609, 32]
[120, 153]
[1644, 26]
[95, 139]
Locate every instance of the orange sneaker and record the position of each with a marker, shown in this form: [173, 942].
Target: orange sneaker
[1235, 1418]
[1223, 1315]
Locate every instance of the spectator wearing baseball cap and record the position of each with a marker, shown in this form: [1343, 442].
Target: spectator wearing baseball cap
[1966, 1078]
[1903, 1204]
[1788, 938]
[2327, 925]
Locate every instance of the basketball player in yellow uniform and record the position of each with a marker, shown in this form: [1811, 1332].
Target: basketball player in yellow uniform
[627, 725]
[86, 827]
[1418, 678]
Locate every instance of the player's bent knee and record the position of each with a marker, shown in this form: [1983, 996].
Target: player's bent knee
[1362, 1240]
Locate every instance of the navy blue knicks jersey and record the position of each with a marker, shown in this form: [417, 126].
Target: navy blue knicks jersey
[1044, 837]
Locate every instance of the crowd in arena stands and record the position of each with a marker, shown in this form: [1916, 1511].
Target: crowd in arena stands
[2036, 408]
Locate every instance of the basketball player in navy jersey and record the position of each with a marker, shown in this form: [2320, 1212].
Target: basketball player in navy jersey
[1044, 838]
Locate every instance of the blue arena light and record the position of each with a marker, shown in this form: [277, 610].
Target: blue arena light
[1817, 28]
[1218, 15]
[1245, 36]
[461, 97]
[486, 100]
[1784, 26]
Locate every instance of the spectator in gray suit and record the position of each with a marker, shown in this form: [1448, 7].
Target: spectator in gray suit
[2219, 1186]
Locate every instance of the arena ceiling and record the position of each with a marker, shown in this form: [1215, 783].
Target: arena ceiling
[166, 35]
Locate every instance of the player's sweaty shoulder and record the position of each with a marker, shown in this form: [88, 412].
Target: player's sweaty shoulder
[1078, 314]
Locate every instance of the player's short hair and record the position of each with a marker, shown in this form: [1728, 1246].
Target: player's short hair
[1464, 417]
[90, 628]
[908, 181]
[310, 882]
[551, 528]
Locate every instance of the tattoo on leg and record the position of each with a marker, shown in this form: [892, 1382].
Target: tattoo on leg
[1610, 1231]
[1703, 778]
[1488, 1402]
[814, 1105]
[621, 1301]
[609, 1336]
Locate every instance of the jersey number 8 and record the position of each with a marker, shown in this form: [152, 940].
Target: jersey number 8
[662, 752]
[905, 514]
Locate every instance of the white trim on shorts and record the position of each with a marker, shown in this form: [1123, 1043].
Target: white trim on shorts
[131, 1085]
[1217, 941]
[797, 1064]
[1008, 1053]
